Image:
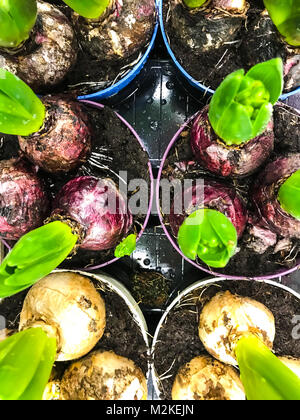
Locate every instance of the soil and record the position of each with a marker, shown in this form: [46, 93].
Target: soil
[118, 150]
[246, 262]
[254, 40]
[178, 340]
[150, 289]
[122, 334]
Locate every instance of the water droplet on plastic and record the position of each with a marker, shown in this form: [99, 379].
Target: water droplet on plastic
[146, 261]
[167, 72]
[154, 125]
[150, 101]
[170, 85]
[163, 102]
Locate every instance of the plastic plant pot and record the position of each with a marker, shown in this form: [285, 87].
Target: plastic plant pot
[192, 81]
[133, 73]
[184, 303]
[82, 263]
[279, 271]
[108, 287]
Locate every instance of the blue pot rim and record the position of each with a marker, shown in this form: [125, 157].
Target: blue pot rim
[121, 84]
[191, 80]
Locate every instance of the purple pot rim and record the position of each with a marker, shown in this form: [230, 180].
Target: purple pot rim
[279, 273]
[100, 106]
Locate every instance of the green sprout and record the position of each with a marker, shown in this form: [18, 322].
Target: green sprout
[26, 361]
[126, 247]
[90, 9]
[242, 106]
[285, 15]
[17, 18]
[34, 256]
[263, 375]
[194, 3]
[21, 111]
[210, 235]
[289, 195]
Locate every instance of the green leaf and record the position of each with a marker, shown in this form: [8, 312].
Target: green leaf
[189, 235]
[270, 73]
[21, 111]
[17, 18]
[4, 350]
[126, 247]
[210, 235]
[289, 195]
[37, 385]
[26, 360]
[9, 33]
[235, 126]
[263, 375]
[285, 15]
[242, 105]
[90, 9]
[34, 256]
[194, 3]
[261, 122]
[224, 96]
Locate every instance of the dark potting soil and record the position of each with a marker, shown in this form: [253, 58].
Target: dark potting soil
[122, 334]
[150, 288]
[246, 262]
[178, 339]
[252, 40]
[114, 149]
[90, 75]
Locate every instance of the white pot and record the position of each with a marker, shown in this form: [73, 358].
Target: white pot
[198, 285]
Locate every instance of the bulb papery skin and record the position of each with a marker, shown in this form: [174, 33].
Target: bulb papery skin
[292, 70]
[121, 32]
[103, 375]
[66, 140]
[53, 54]
[70, 304]
[238, 161]
[226, 318]
[265, 196]
[292, 364]
[87, 201]
[52, 391]
[190, 27]
[214, 195]
[24, 202]
[204, 378]
[231, 6]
